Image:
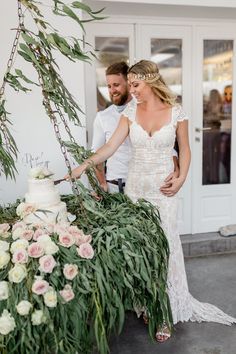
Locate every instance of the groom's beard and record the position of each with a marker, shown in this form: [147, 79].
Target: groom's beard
[120, 100]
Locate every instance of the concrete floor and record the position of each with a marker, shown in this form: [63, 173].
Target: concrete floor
[211, 279]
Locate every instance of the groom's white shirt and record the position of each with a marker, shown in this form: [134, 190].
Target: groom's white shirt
[105, 124]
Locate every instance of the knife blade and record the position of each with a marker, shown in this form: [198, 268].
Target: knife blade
[59, 181]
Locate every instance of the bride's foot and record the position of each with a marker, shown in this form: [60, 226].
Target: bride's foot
[145, 318]
[163, 334]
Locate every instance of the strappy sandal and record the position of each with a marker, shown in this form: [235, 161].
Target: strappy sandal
[163, 334]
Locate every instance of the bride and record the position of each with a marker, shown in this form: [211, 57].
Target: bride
[153, 122]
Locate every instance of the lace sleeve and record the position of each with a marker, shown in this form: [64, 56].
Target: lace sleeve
[179, 114]
[130, 110]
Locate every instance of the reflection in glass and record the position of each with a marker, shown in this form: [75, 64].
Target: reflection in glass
[167, 53]
[217, 111]
[110, 50]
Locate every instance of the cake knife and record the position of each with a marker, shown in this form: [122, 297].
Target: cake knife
[59, 181]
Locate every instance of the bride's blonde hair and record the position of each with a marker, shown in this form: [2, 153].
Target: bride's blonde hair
[148, 71]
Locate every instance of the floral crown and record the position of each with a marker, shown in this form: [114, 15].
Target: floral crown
[144, 76]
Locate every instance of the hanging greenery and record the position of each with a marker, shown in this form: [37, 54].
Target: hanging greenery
[36, 47]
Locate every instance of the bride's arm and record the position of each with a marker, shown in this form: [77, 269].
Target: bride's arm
[184, 160]
[106, 150]
[184, 149]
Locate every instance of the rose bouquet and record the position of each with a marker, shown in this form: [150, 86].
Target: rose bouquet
[41, 271]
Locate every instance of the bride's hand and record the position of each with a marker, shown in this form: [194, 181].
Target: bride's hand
[76, 173]
[172, 187]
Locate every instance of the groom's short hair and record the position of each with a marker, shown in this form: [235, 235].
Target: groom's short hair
[120, 68]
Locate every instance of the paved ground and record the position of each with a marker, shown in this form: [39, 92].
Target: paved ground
[211, 279]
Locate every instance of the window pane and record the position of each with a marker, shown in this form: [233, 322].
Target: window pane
[110, 50]
[217, 114]
[167, 53]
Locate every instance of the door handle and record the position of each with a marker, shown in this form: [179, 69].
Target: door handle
[199, 130]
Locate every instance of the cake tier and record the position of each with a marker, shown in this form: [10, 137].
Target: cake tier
[42, 192]
[53, 214]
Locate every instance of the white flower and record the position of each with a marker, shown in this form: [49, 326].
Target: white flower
[40, 172]
[23, 308]
[4, 290]
[38, 317]
[4, 246]
[17, 273]
[19, 244]
[4, 259]
[48, 245]
[50, 298]
[7, 323]
[17, 233]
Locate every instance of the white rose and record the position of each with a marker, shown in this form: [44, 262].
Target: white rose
[17, 233]
[50, 298]
[7, 323]
[50, 248]
[48, 245]
[23, 308]
[35, 171]
[38, 317]
[17, 273]
[19, 244]
[4, 246]
[4, 290]
[4, 259]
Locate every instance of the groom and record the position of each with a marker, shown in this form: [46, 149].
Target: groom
[113, 177]
[105, 123]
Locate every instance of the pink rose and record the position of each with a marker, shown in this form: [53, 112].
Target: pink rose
[19, 224]
[40, 286]
[83, 239]
[4, 228]
[66, 240]
[20, 256]
[75, 231]
[37, 233]
[35, 250]
[85, 251]
[67, 293]
[70, 271]
[47, 263]
[25, 209]
[27, 234]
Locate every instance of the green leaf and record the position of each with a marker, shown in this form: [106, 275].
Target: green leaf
[72, 15]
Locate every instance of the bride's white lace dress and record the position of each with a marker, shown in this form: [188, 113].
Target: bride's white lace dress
[151, 163]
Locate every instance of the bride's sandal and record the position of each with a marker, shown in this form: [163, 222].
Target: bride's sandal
[163, 334]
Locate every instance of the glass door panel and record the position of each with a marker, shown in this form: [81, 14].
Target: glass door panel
[109, 50]
[167, 53]
[217, 111]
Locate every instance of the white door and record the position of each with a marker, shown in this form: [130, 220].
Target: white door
[113, 43]
[214, 130]
[170, 48]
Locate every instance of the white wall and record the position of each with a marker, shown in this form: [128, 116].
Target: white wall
[31, 128]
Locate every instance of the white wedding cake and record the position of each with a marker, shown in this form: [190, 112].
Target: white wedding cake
[43, 194]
